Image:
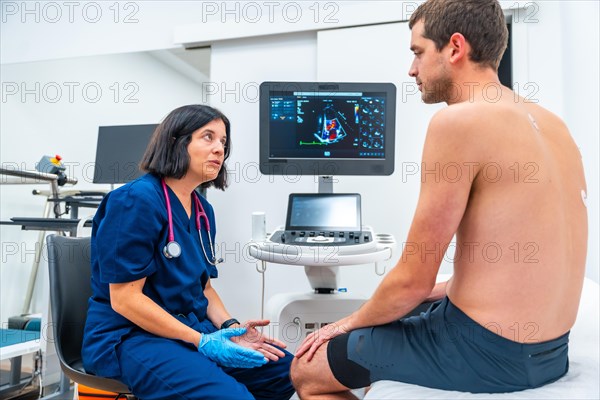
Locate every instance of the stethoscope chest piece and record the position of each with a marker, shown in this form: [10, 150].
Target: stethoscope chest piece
[172, 249]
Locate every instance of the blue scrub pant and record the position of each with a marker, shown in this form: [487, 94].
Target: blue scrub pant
[159, 368]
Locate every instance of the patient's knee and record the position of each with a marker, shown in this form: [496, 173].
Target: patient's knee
[302, 375]
[297, 372]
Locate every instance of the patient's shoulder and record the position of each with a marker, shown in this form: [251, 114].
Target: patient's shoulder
[459, 131]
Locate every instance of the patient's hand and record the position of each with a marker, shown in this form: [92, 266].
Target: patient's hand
[256, 340]
[313, 341]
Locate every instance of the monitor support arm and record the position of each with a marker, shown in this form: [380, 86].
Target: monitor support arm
[326, 184]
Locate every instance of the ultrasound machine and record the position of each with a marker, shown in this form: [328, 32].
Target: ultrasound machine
[323, 129]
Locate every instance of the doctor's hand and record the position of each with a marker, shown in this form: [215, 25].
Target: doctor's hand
[314, 340]
[218, 346]
[255, 339]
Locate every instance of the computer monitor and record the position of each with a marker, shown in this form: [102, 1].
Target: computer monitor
[312, 128]
[119, 152]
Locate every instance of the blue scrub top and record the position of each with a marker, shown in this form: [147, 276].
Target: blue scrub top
[129, 232]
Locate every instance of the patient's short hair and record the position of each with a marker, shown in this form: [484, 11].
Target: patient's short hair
[167, 155]
[481, 22]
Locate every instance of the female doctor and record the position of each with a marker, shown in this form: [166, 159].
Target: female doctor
[154, 320]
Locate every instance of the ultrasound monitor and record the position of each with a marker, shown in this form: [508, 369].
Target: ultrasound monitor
[311, 128]
[323, 212]
[119, 152]
[316, 219]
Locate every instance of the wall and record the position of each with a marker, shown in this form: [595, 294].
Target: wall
[45, 30]
[39, 30]
[50, 119]
[581, 100]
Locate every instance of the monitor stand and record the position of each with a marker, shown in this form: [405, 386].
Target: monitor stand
[322, 278]
[325, 184]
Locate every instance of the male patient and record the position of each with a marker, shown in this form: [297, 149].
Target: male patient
[516, 202]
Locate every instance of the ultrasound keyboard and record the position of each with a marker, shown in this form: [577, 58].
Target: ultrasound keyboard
[322, 238]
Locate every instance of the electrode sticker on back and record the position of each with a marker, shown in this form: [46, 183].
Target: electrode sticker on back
[584, 197]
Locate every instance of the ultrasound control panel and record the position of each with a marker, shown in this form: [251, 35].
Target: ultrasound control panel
[321, 238]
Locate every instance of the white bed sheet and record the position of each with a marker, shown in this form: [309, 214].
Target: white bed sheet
[581, 382]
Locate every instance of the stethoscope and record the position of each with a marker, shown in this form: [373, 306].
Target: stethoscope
[172, 249]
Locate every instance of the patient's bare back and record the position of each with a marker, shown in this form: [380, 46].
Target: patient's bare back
[522, 242]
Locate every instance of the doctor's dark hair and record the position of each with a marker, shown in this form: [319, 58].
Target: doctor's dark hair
[167, 155]
[481, 22]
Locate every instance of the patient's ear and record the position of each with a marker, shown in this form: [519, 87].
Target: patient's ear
[459, 48]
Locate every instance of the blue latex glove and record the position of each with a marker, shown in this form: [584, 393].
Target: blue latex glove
[218, 347]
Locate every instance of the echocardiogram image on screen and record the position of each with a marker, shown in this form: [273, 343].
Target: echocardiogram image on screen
[336, 128]
[322, 124]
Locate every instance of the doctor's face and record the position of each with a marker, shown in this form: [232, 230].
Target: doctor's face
[207, 151]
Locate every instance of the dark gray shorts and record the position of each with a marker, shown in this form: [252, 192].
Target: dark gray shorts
[443, 348]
